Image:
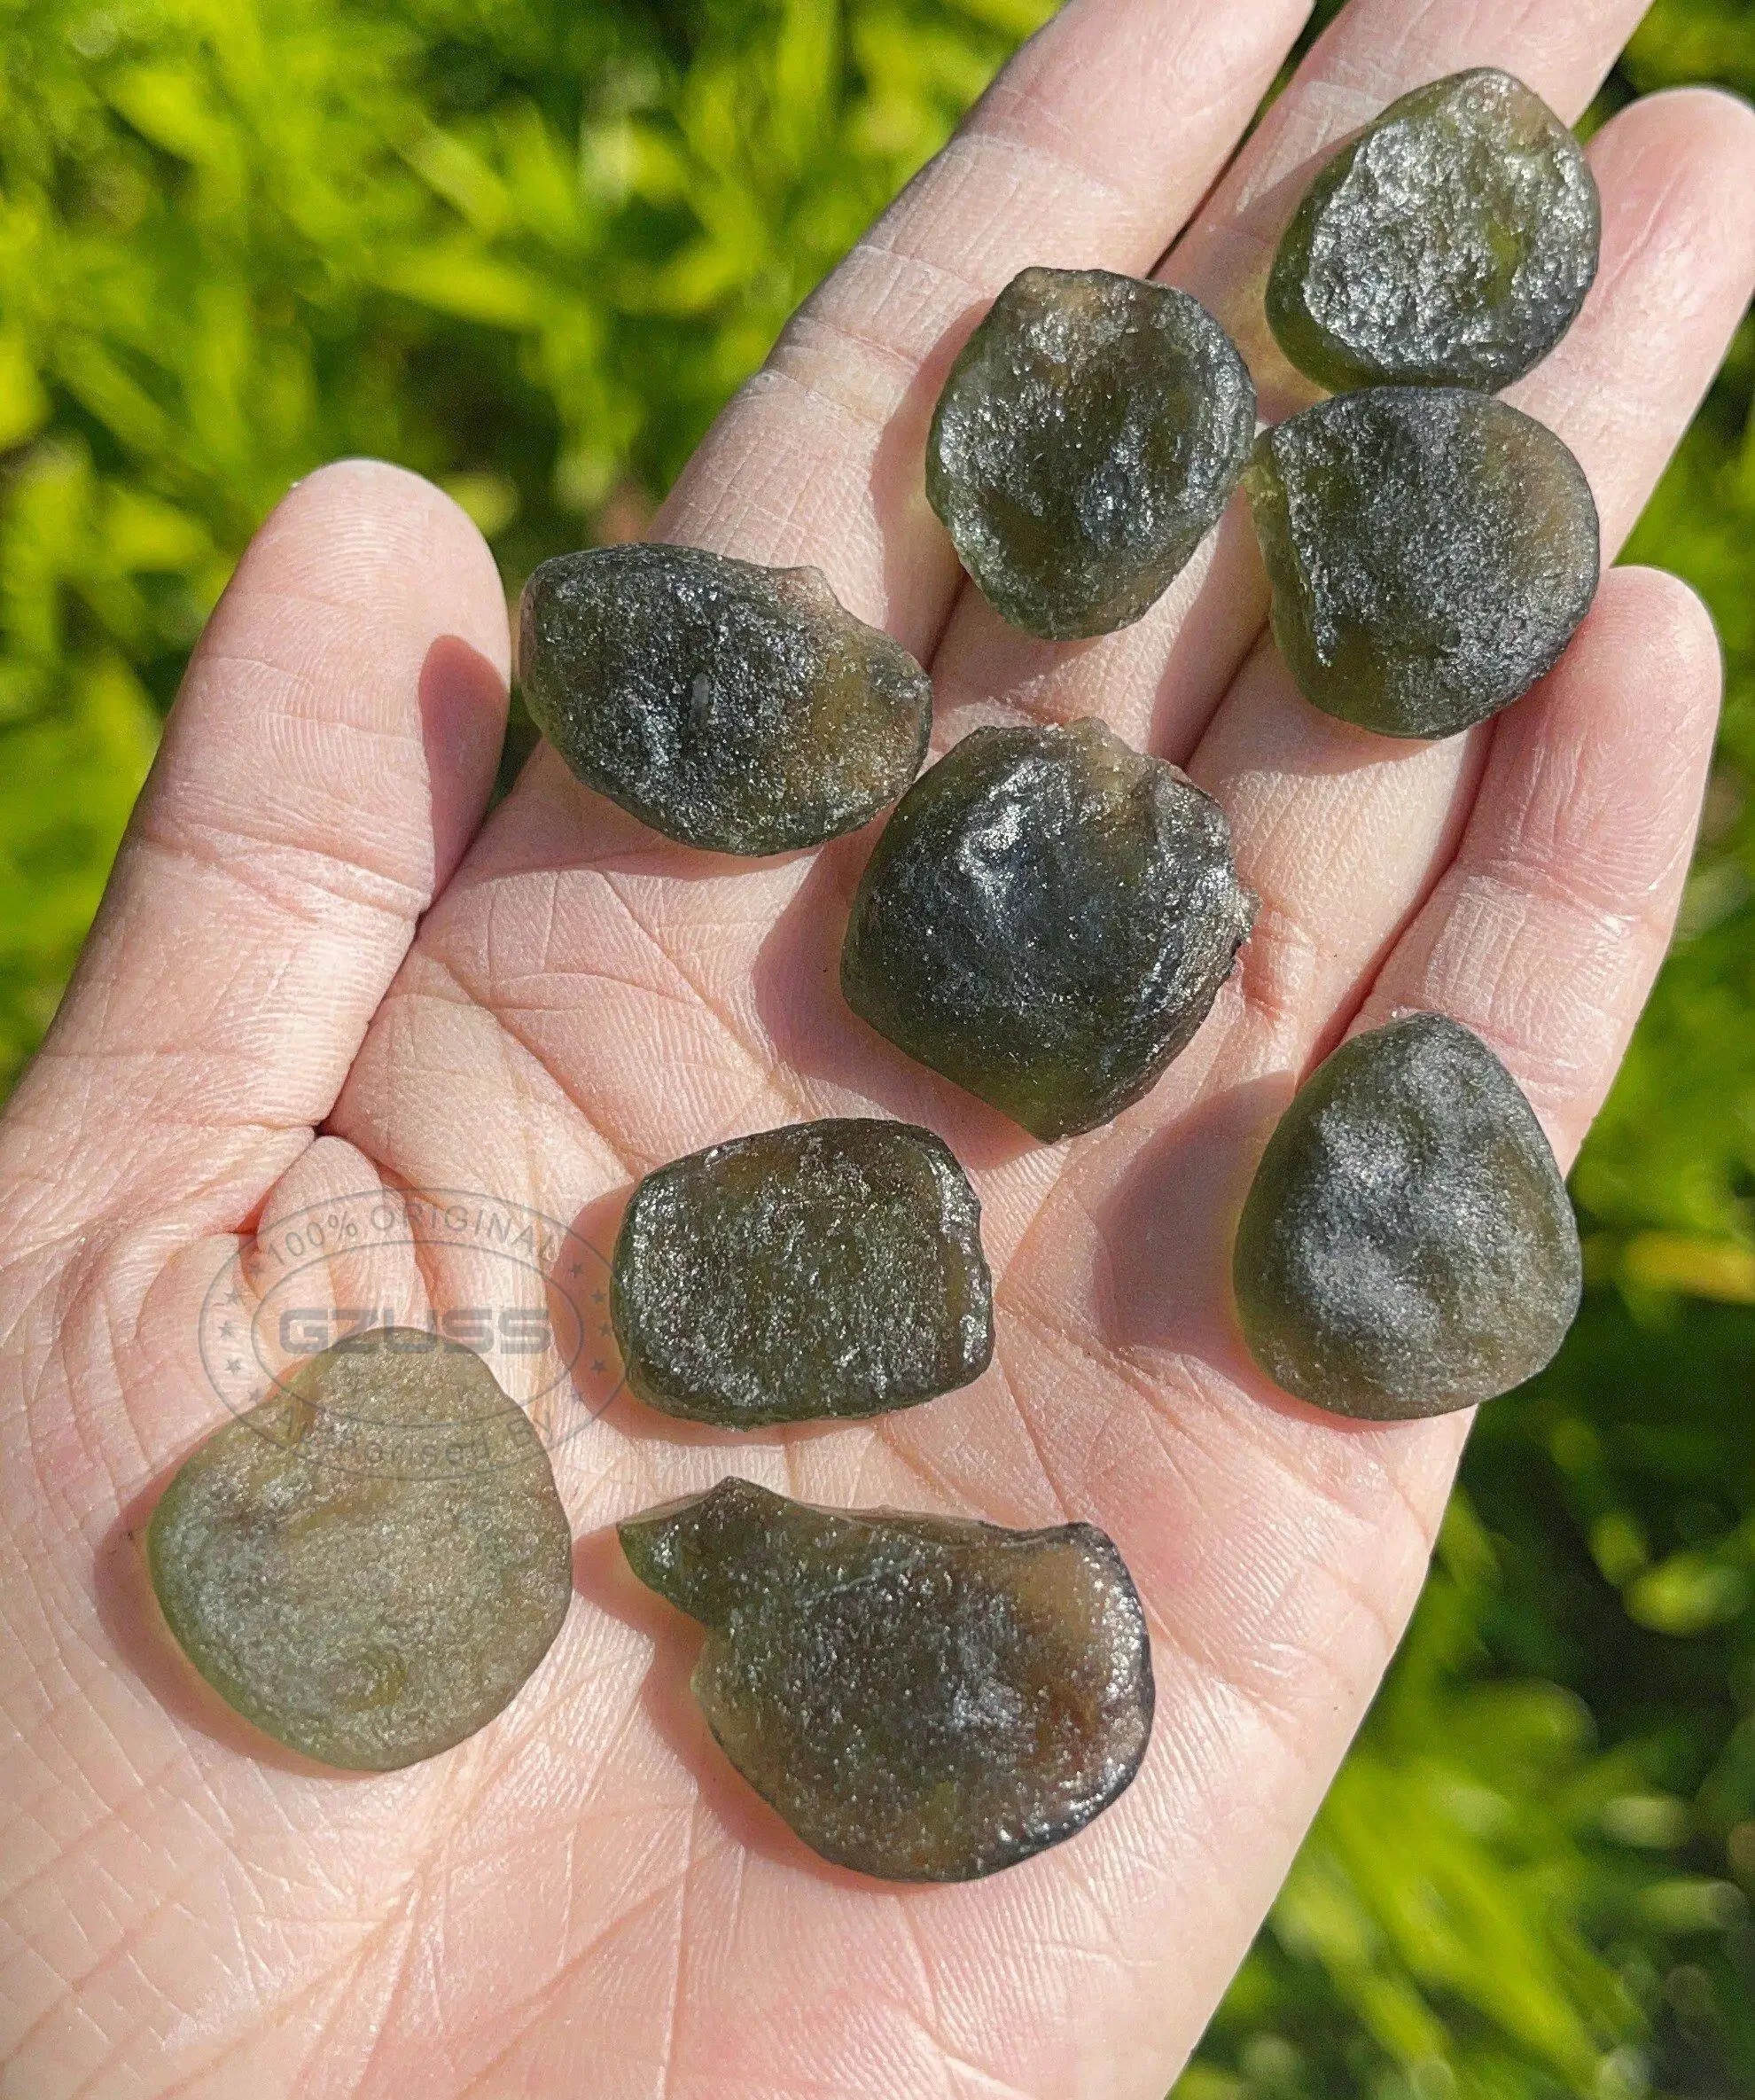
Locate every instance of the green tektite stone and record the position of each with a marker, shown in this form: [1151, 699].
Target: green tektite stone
[1431, 552]
[1089, 436]
[922, 1698]
[369, 1565]
[1452, 243]
[829, 1269]
[728, 706]
[1406, 1247]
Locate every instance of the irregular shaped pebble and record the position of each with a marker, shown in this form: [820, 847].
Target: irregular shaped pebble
[1046, 919]
[1406, 1247]
[369, 1564]
[1452, 243]
[1089, 437]
[829, 1269]
[735, 707]
[922, 1698]
[1431, 553]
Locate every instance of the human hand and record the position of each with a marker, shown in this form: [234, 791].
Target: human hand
[316, 969]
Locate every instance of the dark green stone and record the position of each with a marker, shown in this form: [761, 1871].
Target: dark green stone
[829, 1269]
[1089, 437]
[368, 1564]
[1046, 919]
[1451, 244]
[1406, 1247]
[739, 708]
[922, 1698]
[1431, 553]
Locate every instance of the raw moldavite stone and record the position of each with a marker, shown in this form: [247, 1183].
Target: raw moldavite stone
[1406, 1247]
[735, 707]
[1431, 552]
[1451, 244]
[1089, 437]
[1046, 919]
[368, 1564]
[827, 1269]
[922, 1698]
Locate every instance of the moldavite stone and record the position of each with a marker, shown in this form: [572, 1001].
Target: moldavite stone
[1406, 1247]
[1046, 919]
[829, 1269]
[922, 1698]
[1452, 243]
[1089, 437]
[1431, 552]
[735, 707]
[368, 1564]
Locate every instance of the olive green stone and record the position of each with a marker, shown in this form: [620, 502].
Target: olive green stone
[922, 1698]
[831, 1268]
[1089, 437]
[1046, 919]
[1406, 1247]
[368, 1564]
[733, 708]
[1431, 552]
[1452, 243]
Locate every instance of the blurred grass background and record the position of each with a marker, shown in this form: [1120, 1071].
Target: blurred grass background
[528, 246]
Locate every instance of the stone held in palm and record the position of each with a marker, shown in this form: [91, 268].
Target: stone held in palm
[733, 708]
[1046, 919]
[831, 1268]
[1431, 552]
[1451, 243]
[1090, 434]
[370, 1563]
[1406, 1247]
[922, 1698]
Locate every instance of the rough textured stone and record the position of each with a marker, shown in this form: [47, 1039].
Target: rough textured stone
[828, 1268]
[1431, 552]
[1046, 919]
[922, 1698]
[1406, 1247]
[1089, 437]
[369, 1564]
[1452, 243]
[735, 707]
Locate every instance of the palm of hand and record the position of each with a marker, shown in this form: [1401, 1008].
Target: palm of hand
[582, 1897]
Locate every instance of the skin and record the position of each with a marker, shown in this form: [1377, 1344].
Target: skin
[310, 970]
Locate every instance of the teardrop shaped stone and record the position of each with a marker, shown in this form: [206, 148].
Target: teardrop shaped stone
[732, 706]
[922, 1698]
[1450, 244]
[368, 1564]
[1406, 1247]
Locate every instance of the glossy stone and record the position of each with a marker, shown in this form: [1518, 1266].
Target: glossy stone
[1431, 552]
[922, 1698]
[369, 1564]
[1089, 437]
[735, 707]
[1452, 243]
[1046, 919]
[1406, 1247]
[829, 1269]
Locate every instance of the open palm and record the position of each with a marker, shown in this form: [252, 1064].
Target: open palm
[317, 970]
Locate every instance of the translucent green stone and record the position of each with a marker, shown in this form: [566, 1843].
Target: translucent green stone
[1046, 919]
[829, 1269]
[1089, 437]
[1406, 1247]
[739, 708]
[368, 1564]
[1452, 243]
[1431, 552]
[921, 1698]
